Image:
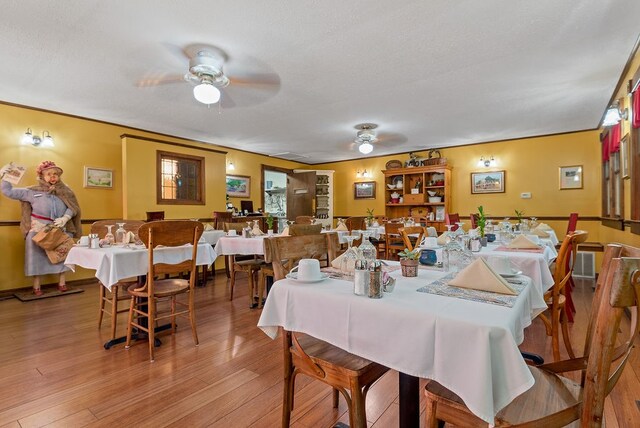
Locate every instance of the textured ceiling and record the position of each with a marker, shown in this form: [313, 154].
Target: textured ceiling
[429, 73]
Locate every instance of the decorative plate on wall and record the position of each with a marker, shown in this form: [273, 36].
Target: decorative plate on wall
[393, 164]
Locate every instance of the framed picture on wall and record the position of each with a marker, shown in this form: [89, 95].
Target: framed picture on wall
[365, 190]
[239, 186]
[571, 177]
[487, 182]
[98, 178]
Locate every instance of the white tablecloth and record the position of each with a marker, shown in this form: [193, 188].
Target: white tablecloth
[211, 236]
[116, 263]
[232, 245]
[533, 265]
[469, 347]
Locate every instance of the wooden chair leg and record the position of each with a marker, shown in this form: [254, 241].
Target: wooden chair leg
[130, 323]
[261, 284]
[565, 333]
[226, 265]
[101, 306]
[358, 409]
[555, 332]
[152, 331]
[336, 398]
[192, 319]
[252, 284]
[233, 283]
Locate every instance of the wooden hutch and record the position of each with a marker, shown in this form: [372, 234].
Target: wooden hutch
[419, 191]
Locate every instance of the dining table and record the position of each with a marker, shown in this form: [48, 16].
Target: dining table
[211, 236]
[469, 345]
[117, 262]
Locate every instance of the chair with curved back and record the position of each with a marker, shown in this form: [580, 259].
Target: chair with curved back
[303, 219]
[355, 223]
[555, 400]
[348, 374]
[117, 293]
[305, 229]
[144, 298]
[393, 240]
[248, 264]
[556, 295]
[412, 236]
[452, 219]
[220, 218]
[155, 215]
[571, 227]
[474, 220]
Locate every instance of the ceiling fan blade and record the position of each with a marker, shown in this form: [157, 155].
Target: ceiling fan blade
[157, 79]
[226, 101]
[390, 140]
[260, 79]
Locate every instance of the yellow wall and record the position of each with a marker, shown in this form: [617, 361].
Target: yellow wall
[80, 143]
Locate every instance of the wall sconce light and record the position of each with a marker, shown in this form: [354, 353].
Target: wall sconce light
[615, 114]
[364, 174]
[487, 162]
[230, 166]
[36, 140]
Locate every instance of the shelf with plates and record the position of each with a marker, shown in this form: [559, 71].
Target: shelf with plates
[420, 192]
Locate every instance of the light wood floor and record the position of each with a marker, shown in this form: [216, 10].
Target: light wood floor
[55, 372]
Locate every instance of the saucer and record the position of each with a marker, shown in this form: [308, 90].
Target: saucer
[81, 245]
[510, 275]
[294, 276]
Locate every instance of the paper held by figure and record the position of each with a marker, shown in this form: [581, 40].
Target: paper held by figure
[13, 173]
[480, 276]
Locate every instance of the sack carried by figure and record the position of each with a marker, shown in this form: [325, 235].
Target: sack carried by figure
[55, 242]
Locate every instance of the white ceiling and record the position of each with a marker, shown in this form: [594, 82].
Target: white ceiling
[429, 73]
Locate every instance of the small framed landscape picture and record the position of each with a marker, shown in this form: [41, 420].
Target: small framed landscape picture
[365, 190]
[239, 186]
[487, 182]
[571, 177]
[98, 178]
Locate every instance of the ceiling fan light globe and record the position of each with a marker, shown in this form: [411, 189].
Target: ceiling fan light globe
[365, 148]
[206, 93]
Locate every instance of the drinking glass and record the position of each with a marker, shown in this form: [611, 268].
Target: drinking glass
[121, 234]
[109, 236]
[368, 250]
[349, 256]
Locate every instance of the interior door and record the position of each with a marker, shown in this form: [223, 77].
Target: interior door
[301, 194]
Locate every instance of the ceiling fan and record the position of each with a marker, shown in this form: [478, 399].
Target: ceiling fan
[368, 138]
[214, 76]
[365, 137]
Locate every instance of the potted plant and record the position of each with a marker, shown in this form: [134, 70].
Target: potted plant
[519, 216]
[409, 260]
[482, 222]
[269, 221]
[370, 217]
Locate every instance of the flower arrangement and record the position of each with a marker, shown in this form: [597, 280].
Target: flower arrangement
[519, 215]
[370, 216]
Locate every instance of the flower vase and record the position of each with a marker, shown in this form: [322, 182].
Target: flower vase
[409, 267]
[483, 241]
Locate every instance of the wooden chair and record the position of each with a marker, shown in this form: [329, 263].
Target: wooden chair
[305, 229]
[474, 220]
[355, 223]
[393, 242]
[155, 215]
[556, 297]
[144, 299]
[109, 300]
[346, 373]
[452, 219]
[554, 400]
[304, 219]
[220, 218]
[571, 227]
[408, 235]
[248, 264]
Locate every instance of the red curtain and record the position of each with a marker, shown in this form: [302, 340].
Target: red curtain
[635, 108]
[614, 138]
[605, 146]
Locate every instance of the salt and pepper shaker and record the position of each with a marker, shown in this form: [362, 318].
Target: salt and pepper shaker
[361, 278]
[375, 280]
[94, 241]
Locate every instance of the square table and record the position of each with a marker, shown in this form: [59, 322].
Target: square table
[470, 347]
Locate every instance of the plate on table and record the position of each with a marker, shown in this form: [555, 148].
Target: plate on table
[294, 276]
[510, 275]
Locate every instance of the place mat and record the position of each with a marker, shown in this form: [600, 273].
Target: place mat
[28, 296]
[525, 250]
[441, 288]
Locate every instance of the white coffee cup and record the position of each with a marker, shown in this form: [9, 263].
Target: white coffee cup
[232, 232]
[308, 270]
[84, 241]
